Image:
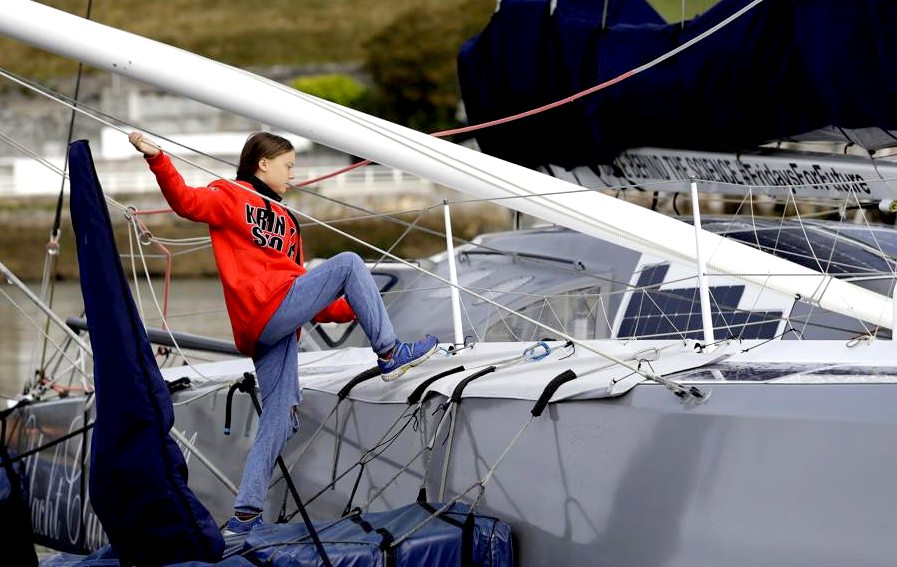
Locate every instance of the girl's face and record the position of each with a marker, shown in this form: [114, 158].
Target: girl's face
[277, 172]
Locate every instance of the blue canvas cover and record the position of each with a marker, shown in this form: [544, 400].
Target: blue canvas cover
[138, 476]
[105, 557]
[361, 541]
[780, 71]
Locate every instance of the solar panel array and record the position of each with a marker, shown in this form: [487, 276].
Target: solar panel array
[676, 313]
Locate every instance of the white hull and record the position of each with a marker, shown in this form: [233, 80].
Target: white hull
[793, 471]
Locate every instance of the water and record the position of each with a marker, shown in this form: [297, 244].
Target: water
[195, 306]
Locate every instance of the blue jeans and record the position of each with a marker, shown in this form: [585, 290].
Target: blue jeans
[276, 364]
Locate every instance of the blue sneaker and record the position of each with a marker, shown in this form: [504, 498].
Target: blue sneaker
[405, 356]
[236, 526]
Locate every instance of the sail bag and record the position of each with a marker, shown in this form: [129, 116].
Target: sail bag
[138, 476]
[404, 537]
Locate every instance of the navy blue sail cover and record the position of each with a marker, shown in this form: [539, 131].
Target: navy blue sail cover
[138, 476]
[783, 69]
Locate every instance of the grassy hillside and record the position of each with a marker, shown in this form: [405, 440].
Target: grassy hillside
[255, 33]
[233, 31]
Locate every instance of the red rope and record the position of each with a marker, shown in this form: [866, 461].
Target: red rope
[442, 134]
[491, 123]
[534, 111]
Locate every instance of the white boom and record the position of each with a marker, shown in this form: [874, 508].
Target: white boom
[471, 172]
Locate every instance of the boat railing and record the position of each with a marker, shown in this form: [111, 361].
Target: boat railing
[171, 338]
[18, 179]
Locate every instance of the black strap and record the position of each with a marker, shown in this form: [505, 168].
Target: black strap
[364, 376]
[8, 411]
[386, 541]
[357, 518]
[459, 389]
[550, 389]
[248, 385]
[467, 536]
[230, 401]
[348, 509]
[422, 387]
[468, 532]
[21, 456]
[182, 383]
[444, 516]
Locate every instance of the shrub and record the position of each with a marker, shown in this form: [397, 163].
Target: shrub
[338, 88]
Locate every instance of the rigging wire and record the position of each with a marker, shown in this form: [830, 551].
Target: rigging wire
[37, 326]
[558, 333]
[30, 153]
[48, 283]
[162, 313]
[637, 70]
[61, 99]
[95, 114]
[121, 206]
[622, 77]
[482, 485]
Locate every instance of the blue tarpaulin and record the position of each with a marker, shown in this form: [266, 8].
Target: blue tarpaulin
[363, 540]
[138, 476]
[781, 70]
[454, 538]
[105, 557]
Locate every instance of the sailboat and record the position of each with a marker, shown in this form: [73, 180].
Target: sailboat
[706, 446]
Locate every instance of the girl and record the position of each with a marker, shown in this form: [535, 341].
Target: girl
[269, 294]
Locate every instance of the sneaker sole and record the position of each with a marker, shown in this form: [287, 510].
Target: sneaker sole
[403, 369]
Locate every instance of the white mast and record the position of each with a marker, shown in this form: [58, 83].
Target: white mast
[468, 171]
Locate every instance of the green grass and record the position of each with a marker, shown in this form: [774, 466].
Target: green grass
[672, 11]
[236, 32]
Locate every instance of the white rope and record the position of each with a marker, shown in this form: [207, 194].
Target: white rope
[359, 241]
[133, 258]
[33, 155]
[161, 313]
[486, 478]
[197, 397]
[400, 139]
[426, 448]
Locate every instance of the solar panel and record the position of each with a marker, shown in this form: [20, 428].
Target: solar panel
[676, 313]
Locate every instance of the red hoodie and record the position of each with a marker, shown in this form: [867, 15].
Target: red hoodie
[257, 248]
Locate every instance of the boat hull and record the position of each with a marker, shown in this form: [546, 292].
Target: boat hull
[761, 474]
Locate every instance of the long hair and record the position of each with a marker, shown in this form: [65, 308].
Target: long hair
[259, 146]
